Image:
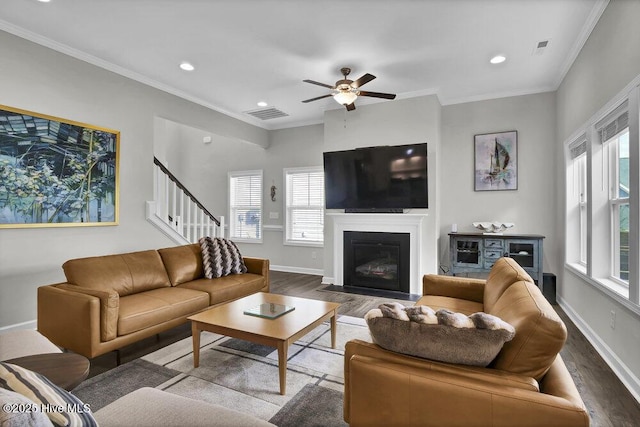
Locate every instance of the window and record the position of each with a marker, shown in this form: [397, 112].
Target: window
[577, 202]
[304, 222]
[602, 200]
[245, 206]
[618, 150]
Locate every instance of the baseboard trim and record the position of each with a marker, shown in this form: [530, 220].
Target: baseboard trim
[328, 280]
[622, 371]
[31, 324]
[300, 270]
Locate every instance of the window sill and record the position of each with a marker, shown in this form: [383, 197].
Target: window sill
[611, 288]
[301, 243]
[239, 240]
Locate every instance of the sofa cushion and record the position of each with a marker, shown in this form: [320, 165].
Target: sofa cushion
[152, 407]
[540, 333]
[454, 304]
[440, 335]
[124, 273]
[46, 394]
[183, 263]
[503, 274]
[220, 257]
[24, 342]
[151, 308]
[227, 288]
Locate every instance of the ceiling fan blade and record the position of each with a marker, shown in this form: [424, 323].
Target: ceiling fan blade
[377, 94]
[351, 107]
[363, 80]
[313, 82]
[316, 98]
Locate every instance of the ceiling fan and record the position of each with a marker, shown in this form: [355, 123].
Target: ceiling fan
[346, 91]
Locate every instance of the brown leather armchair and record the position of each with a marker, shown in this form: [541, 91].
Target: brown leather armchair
[527, 384]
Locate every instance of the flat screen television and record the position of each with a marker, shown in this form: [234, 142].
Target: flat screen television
[384, 178]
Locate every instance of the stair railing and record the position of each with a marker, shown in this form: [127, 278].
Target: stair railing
[177, 208]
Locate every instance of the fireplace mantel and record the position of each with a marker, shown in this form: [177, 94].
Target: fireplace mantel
[378, 222]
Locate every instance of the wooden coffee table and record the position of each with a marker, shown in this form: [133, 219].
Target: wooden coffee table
[229, 319]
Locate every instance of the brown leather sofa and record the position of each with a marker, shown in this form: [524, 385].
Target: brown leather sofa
[112, 301]
[527, 384]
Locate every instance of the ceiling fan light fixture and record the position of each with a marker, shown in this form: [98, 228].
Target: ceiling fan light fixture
[345, 97]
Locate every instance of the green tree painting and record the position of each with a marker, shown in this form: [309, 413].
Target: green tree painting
[55, 172]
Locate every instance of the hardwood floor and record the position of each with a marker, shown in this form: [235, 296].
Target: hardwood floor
[609, 403]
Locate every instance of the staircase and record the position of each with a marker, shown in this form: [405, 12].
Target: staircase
[177, 213]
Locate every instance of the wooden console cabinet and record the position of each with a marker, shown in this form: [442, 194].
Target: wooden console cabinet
[477, 252]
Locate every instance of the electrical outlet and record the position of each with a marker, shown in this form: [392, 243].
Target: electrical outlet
[274, 215]
[612, 319]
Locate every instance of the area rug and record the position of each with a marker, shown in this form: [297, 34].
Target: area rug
[243, 376]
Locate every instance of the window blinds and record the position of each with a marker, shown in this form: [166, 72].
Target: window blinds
[246, 205]
[614, 122]
[578, 147]
[305, 206]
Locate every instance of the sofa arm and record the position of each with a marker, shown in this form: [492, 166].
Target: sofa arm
[69, 319]
[258, 266]
[454, 287]
[109, 307]
[387, 393]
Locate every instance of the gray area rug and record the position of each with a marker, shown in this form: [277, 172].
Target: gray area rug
[243, 376]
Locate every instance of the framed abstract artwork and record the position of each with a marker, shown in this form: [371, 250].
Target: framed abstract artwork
[496, 161]
[56, 172]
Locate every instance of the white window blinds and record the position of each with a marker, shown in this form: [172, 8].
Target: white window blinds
[578, 147]
[304, 205]
[245, 200]
[614, 122]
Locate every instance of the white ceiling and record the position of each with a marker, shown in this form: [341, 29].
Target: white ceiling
[247, 51]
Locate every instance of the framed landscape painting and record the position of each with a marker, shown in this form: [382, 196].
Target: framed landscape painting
[56, 172]
[496, 161]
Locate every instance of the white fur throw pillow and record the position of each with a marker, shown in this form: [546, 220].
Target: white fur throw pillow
[440, 335]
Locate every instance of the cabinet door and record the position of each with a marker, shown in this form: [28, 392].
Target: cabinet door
[525, 253]
[468, 252]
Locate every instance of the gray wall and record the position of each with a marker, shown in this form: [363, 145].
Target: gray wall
[203, 169]
[608, 62]
[532, 207]
[39, 79]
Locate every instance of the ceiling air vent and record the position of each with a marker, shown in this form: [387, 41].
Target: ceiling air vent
[267, 113]
[540, 47]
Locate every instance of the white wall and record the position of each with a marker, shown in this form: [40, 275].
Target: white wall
[203, 169]
[406, 121]
[532, 207]
[608, 62]
[41, 80]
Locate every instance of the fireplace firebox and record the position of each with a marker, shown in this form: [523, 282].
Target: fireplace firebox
[377, 260]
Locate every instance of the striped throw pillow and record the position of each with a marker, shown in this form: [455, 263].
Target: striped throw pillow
[62, 407]
[220, 257]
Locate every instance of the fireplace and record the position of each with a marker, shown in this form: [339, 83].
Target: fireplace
[377, 260]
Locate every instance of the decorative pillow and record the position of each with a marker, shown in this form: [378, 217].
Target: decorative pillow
[62, 407]
[18, 411]
[443, 335]
[220, 257]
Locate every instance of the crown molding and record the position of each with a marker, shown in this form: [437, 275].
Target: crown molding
[587, 28]
[93, 60]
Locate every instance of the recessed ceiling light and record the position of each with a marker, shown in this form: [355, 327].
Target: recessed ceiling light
[498, 59]
[44, 1]
[262, 104]
[187, 67]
